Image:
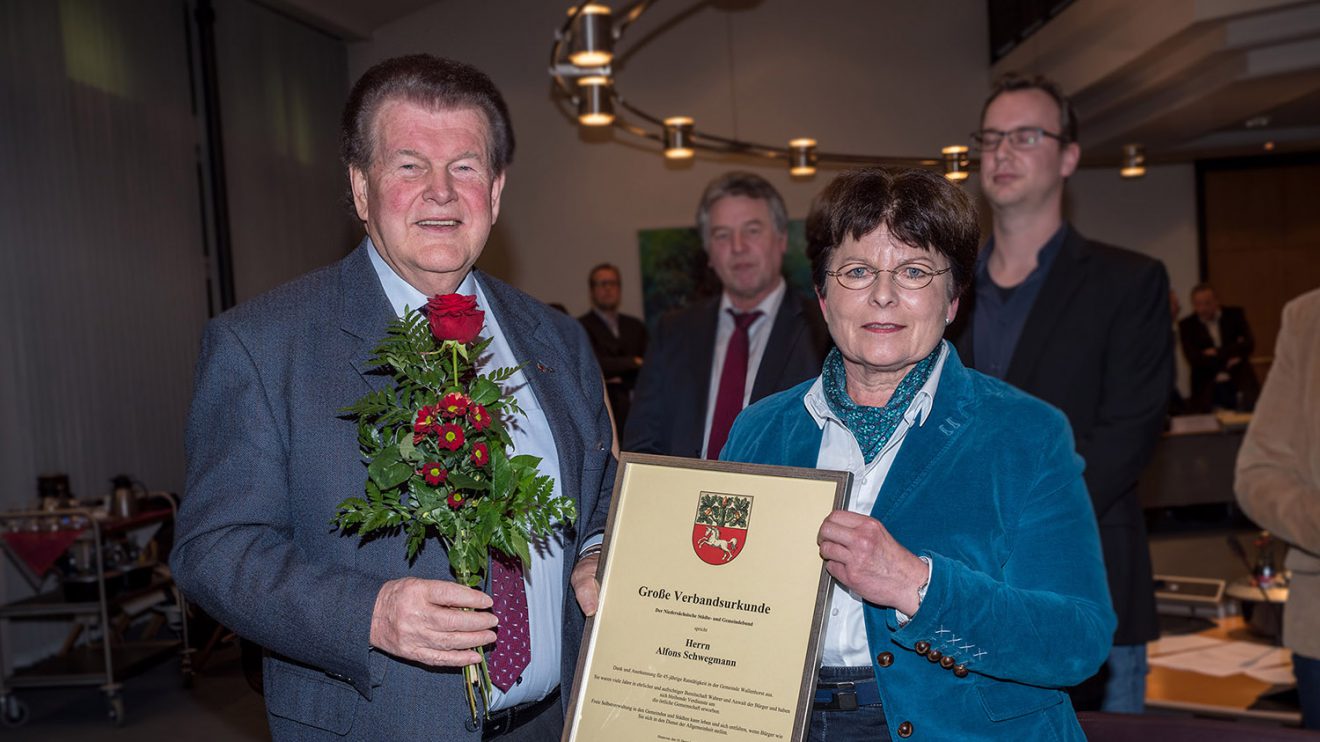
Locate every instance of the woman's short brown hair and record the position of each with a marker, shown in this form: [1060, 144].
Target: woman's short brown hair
[920, 208]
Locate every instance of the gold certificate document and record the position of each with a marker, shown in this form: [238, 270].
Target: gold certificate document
[713, 595]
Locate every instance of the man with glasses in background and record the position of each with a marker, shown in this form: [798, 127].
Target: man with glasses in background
[1083, 326]
[618, 339]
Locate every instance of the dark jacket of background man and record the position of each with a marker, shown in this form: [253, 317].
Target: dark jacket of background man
[618, 340]
[618, 359]
[1106, 361]
[1232, 356]
[1083, 326]
[669, 409]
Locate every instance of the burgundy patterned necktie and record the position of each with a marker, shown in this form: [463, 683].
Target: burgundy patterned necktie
[733, 382]
[513, 643]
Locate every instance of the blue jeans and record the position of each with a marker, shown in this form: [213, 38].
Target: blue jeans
[1125, 690]
[1307, 670]
[866, 723]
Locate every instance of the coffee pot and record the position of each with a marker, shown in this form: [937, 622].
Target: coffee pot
[123, 501]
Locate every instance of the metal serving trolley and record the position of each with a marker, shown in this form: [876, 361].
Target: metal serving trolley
[115, 597]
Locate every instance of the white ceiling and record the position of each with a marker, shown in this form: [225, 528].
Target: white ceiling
[1184, 78]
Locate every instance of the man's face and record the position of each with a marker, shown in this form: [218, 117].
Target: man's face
[1205, 304]
[605, 290]
[1030, 177]
[430, 195]
[746, 251]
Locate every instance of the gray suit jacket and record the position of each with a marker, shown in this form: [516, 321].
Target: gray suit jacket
[1278, 467]
[271, 454]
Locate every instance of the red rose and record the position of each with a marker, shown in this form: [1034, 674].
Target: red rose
[478, 416]
[450, 436]
[480, 454]
[454, 405]
[455, 500]
[454, 317]
[434, 473]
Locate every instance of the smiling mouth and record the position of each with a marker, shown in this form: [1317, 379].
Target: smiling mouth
[438, 223]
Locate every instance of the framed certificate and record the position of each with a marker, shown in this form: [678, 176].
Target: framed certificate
[713, 595]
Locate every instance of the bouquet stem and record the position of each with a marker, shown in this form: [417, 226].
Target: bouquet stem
[476, 678]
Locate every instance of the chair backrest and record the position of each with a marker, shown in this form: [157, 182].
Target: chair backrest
[1100, 727]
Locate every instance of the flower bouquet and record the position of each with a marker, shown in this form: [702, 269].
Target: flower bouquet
[438, 455]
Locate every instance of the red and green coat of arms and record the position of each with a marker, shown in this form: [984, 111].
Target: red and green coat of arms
[720, 530]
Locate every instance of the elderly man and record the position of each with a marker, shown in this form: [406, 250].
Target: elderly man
[711, 359]
[361, 643]
[1083, 326]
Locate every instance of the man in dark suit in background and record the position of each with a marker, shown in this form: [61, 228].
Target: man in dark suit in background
[1217, 343]
[363, 644]
[618, 339]
[1085, 327]
[711, 359]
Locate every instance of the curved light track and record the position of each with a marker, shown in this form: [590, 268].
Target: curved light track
[596, 101]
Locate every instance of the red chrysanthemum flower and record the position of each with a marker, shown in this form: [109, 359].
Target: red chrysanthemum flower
[454, 405]
[455, 500]
[427, 419]
[480, 454]
[478, 416]
[434, 473]
[450, 436]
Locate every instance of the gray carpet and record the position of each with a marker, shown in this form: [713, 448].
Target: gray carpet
[220, 707]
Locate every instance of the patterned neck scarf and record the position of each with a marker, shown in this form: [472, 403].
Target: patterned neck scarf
[872, 426]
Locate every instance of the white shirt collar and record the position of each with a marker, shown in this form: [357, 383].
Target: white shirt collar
[769, 306]
[404, 296]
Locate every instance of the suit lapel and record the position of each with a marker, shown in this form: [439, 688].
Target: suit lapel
[1067, 274]
[785, 334]
[702, 341]
[364, 313]
[551, 374]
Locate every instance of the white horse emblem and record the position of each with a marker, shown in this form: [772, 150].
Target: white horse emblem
[712, 539]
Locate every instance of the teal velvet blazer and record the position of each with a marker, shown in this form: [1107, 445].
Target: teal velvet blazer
[990, 488]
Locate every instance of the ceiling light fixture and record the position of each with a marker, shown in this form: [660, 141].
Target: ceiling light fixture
[802, 162]
[678, 132]
[595, 102]
[585, 47]
[593, 44]
[957, 163]
[1134, 161]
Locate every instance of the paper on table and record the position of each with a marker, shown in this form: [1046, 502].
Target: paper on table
[1180, 643]
[1224, 659]
[1276, 675]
